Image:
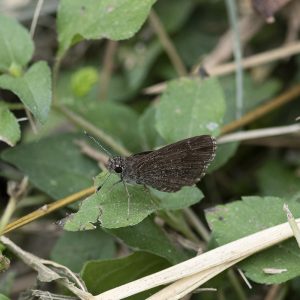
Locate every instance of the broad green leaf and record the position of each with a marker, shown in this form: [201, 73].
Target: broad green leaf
[33, 89]
[16, 45]
[149, 136]
[275, 179]
[118, 120]
[55, 165]
[190, 107]
[252, 214]
[83, 246]
[147, 236]
[10, 131]
[102, 275]
[109, 206]
[93, 19]
[173, 14]
[185, 197]
[3, 297]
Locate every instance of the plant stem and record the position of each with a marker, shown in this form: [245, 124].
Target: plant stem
[81, 122]
[9, 210]
[167, 44]
[199, 227]
[260, 111]
[236, 285]
[48, 208]
[108, 64]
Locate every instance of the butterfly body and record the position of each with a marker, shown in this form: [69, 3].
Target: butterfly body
[169, 168]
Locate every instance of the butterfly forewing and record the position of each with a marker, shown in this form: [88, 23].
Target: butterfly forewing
[170, 168]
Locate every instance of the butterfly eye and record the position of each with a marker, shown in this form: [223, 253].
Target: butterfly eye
[118, 169]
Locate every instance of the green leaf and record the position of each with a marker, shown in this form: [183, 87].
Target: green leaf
[173, 14]
[191, 106]
[33, 89]
[149, 136]
[73, 249]
[55, 165]
[118, 120]
[16, 44]
[10, 131]
[185, 197]
[3, 297]
[241, 218]
[110, 206]
[275, 179]
[100, 276]
[93, 19]
[147, 236]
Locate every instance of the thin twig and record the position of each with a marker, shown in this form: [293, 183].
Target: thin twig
[247, 63]
[167, 44]
[16, 192]
[258, 133]
[47, 209]
[84, 124]
[35, 17]
[55, 73]
[248, 26]
[262, 110]
[236, 285]
[245, 278]
[108, 65]
[237, 51]
[196, 223]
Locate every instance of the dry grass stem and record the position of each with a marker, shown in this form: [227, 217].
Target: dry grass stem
[214, 261]
[259, 133]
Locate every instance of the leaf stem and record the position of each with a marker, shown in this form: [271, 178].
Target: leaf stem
[262, 110]
[196, 223]
[8, 212]
[83, 123]
[47, 208]
[167, 44]
[108, 65]
[236, 285]
[55, 73]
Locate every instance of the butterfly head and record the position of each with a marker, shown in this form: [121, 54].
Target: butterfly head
[116, 164]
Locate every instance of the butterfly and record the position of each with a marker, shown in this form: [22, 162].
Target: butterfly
[169, 168]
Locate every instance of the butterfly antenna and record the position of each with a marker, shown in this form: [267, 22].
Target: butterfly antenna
[97, 142]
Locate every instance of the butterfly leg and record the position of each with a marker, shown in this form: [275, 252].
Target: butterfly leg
[128, 198]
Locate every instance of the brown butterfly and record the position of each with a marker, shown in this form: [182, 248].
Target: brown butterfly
[169, 168]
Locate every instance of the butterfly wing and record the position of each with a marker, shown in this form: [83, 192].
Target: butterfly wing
[176, 165]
